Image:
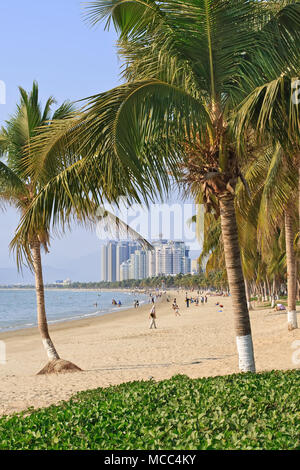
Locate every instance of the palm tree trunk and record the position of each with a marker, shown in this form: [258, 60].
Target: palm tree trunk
[236, 283]
[265, 291]
[273, 296]
[40, 300]
[291, 271]
[248, 295]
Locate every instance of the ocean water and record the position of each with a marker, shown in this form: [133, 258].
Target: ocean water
[18, 306]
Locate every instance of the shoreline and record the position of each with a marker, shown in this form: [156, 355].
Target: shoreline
[64, 323]
[79, 289]
[120, 347]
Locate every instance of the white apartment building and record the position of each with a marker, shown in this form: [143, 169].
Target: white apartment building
[126, 260]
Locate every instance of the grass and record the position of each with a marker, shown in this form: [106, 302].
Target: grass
[267, 304]
[241, 411]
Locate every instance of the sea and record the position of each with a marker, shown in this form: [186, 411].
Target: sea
[18, 306]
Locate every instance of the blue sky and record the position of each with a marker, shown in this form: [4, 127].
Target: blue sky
[50, 42]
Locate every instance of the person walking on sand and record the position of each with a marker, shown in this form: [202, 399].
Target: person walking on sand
[176, 308]
[152, 318]
[187, 300]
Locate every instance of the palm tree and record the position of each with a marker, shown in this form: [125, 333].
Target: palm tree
[19, 189]
[273, 180]
[188, 64]
[272, 111]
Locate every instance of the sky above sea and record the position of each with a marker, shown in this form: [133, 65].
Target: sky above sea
[50, 42]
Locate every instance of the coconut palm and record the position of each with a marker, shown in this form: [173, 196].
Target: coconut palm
[19, 189]
[273, 111]
[187, 64]
[273, 179]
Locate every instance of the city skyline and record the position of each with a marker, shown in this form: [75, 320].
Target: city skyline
[125, 259]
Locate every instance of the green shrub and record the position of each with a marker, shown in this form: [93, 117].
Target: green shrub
[242, 411]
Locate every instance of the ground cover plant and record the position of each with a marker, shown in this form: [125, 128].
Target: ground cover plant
[241, 411]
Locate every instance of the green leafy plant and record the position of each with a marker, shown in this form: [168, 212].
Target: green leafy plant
[241, 411]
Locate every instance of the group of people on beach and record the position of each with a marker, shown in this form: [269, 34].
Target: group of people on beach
[175, 307]
[114, 302]
[152, 315]
[188, 300]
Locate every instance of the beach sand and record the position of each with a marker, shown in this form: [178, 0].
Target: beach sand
[120, 347]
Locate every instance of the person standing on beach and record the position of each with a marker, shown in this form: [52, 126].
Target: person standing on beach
[176, 308]
[187, 300]
[152, 318]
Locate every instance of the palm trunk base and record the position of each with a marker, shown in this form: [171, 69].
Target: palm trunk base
[59, 366]
[292, 320]
[245, 353]
[50, 348]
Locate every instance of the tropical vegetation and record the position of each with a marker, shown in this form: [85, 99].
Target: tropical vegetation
[208, 91]
[242, 411]
[18, 189]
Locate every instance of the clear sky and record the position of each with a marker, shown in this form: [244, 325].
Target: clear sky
[50, 42]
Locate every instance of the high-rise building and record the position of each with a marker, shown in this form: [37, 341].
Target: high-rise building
[122, 254]
[177, 261]
[104, 273]
[167, 260]
[111, 261]
[151, 263]
[124, 260]
[113, 254]
[124, 271]
[195, 266]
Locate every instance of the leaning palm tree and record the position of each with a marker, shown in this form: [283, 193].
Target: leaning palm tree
[19, 189]
[187, 65]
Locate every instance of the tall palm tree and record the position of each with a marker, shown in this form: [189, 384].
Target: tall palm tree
[273, 179]
[187, 65]
[272, 110]
[19, 189]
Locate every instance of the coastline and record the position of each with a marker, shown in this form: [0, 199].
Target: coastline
[77, 289]
[109, 310]
[120, 347]
[62, 325]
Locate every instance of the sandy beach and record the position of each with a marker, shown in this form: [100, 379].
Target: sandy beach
[120, 347]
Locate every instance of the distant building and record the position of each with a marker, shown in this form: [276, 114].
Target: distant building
[113, 255]
[195, 266]
[124, 271]
[125, 260]
[111, 261]
[104, 266]
[66, 282]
